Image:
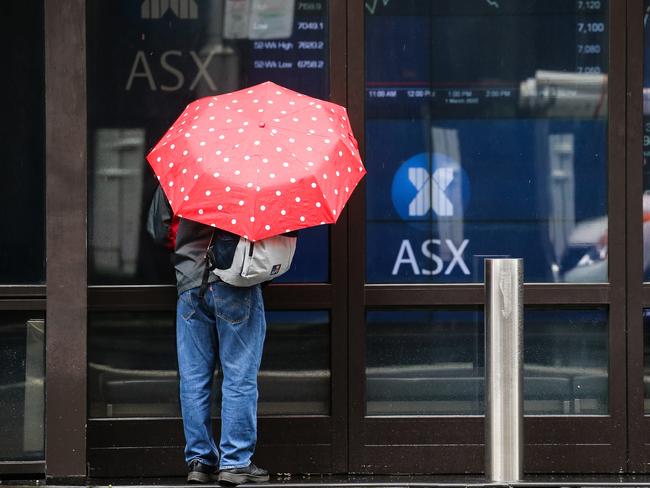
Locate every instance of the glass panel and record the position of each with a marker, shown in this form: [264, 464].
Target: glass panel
[485, 135]
[22, 132]
[133, 370]
[431, 362]
[22, 390]
[646, 143]
[146, 61]
[646, 361]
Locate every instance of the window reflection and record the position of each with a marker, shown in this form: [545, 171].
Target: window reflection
[486, 136]
[133, 371]
[646, 143]
[22, 386]
[146, 61]
[431, 362]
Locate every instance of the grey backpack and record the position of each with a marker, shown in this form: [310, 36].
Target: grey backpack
[240, 262]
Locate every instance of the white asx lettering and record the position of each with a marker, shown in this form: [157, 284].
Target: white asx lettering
[406, 256]
[141, 68]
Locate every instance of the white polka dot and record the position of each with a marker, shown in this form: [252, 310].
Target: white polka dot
[285, 164]
[196, 177]
[158, 159]
[241, 203]
[208, 193]
[297, 199]
[318, 204]
[249, 185]
[271, 175]
[200, 211]
[257, 143]
[218, 152]
[228, 121]
[278, 149]
[186, 198]
[237, 172]
[313, 185]
[278, 192]
[227, 188]
[171, 183]
[222, 137]
[233, 221]
[172, 146]
[252, 219]
[199, 159]
[171, 165]
[184, 170]
[219, 207]
[283, 212]
[324, 176]
[302, 218]
[292, 140]
[267, 227]
[226, 159]
[194, 127]
[292, 180]
[215, 174]
[309, 148]
[240, 130]
[336, 191]
[265, 160]
[182, 189]
[187, 134]
[262, 208]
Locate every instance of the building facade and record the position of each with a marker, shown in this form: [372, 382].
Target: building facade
[489, 128]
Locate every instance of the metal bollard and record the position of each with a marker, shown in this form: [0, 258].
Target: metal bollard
[504, 406]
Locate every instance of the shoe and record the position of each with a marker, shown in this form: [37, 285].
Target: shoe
[237, 476]
[201, 473]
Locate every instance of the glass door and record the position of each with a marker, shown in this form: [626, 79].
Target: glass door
[487, 132]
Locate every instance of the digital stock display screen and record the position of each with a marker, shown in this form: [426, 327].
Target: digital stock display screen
[486, 136]
[147, 59]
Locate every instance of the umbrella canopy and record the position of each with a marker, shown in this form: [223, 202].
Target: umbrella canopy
[259, 162]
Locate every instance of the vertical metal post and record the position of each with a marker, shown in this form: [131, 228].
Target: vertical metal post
[504, 412]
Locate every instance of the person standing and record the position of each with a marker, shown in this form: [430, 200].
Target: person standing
[217, 325]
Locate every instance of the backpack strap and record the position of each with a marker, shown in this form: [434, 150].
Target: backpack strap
[206, 269]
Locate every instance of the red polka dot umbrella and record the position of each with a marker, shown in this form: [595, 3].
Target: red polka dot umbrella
[259, 161]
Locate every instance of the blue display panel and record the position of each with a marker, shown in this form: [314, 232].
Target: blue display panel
[146, 60]
[486, 136]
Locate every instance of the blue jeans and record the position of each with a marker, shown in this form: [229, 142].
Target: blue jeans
[227, 327]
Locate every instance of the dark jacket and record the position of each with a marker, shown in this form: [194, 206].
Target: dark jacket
[191, 244]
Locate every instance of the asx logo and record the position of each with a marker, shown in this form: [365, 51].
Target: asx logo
[430, 187]
[430, 182]
[156, 9]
